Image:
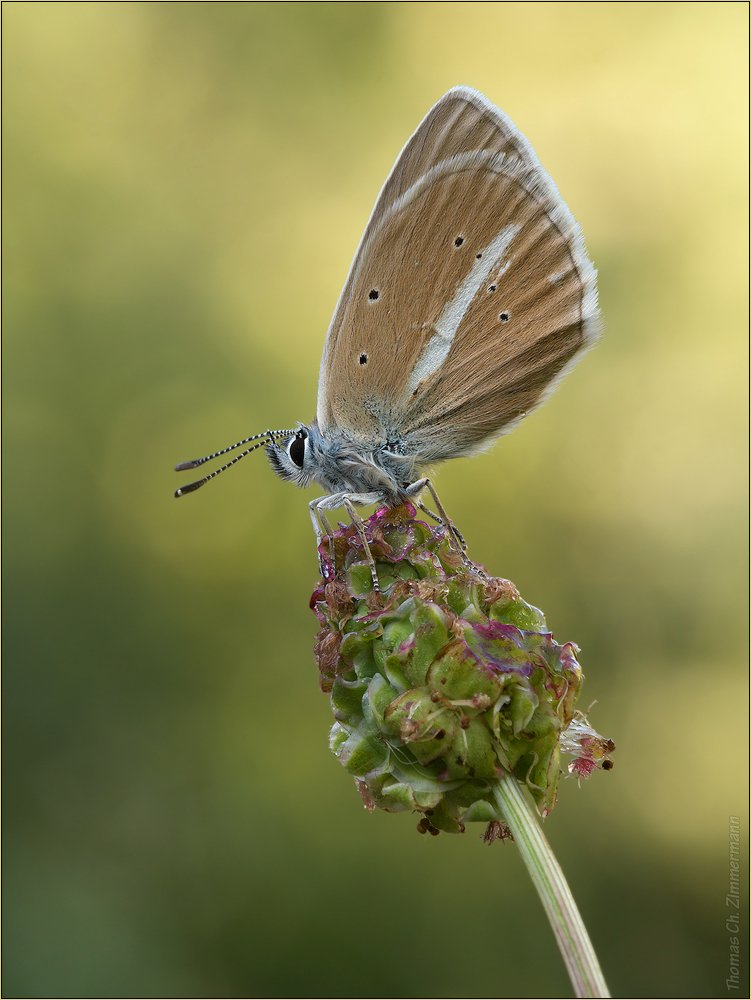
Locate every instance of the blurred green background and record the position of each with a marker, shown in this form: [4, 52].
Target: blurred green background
[185, 185]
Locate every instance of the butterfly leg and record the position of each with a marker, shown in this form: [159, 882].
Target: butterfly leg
[327, 528]
[347, 501]
[429, 512]
[358, 523]
[456, 536]
[321, 526]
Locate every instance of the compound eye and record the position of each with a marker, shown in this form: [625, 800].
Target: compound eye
[297, 449]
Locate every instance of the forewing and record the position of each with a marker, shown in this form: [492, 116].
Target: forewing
[470, 294]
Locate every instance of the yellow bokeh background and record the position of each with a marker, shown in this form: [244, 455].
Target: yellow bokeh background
[185, 185]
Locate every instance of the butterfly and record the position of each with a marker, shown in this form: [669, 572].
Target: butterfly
[469, 298]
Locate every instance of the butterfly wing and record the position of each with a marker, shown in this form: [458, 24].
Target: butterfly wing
[469, 297]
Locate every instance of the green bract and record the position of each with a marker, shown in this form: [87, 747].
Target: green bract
[441, 682]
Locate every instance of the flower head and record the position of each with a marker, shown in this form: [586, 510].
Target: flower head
[442, 681]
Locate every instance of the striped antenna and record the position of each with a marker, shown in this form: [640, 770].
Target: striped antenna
[268, 437]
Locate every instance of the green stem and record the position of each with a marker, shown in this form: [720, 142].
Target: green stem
[570, 932]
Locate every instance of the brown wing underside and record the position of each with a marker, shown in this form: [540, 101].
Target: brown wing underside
[512, 338]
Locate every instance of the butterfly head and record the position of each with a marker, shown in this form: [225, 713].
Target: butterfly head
[294, 457]
[340, 464]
